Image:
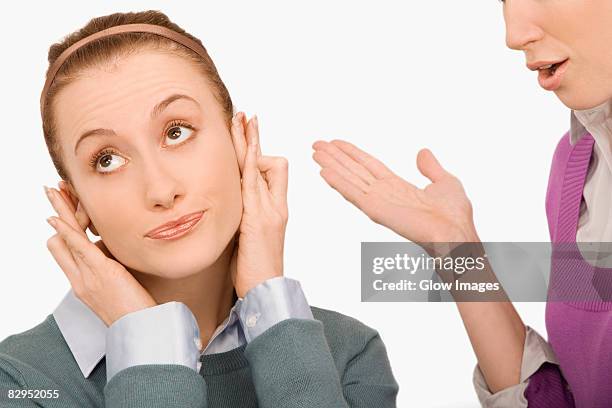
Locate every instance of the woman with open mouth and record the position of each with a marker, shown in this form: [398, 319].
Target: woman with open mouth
[183, 301]
[568, 43]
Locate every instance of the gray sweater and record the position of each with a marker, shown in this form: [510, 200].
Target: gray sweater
[332, 361]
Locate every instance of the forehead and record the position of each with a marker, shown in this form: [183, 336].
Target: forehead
[126, 91]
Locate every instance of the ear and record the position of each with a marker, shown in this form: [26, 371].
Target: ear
[68, 191]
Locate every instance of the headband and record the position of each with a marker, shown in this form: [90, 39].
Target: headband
[126, 28]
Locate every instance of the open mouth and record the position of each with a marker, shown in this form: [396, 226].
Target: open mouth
[550, 76]
[552, 68]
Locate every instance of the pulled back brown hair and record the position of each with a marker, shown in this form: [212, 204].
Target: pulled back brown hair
[108, 49]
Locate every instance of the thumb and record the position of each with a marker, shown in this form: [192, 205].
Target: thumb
[79, 212]
[429, 166]
[81, 216]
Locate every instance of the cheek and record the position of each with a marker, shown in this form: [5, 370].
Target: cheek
[217, 177]
[584, 31]
[585, 27]
[117, 196]
[115, 220]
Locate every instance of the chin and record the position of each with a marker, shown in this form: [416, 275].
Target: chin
[188, 259]
[582, 97]
[191, 261]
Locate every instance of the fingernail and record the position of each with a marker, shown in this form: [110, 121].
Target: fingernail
[47, 191]
[235, 119]
[52, 221]
[255, 122]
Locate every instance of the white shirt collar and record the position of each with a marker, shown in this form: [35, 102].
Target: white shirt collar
[583, 120]
[83, 330]
[85, 333]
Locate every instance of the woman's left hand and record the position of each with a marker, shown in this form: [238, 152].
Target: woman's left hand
[258, 255]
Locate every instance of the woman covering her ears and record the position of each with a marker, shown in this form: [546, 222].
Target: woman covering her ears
[183, 301]
[568, 43]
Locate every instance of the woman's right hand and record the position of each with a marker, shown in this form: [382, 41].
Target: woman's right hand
[440, 212]
[96, 277]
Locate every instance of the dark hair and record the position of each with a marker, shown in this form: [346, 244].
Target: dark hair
[103, 50]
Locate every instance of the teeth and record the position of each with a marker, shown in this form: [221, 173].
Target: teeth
[546, 66]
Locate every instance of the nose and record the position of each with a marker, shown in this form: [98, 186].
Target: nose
[521, 24]
[162, 188]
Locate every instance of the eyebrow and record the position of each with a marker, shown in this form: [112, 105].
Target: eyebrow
[156, 111]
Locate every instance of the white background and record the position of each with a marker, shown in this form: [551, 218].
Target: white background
[391, 77]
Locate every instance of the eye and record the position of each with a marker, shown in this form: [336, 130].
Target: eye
[103, 161]
[178, 131]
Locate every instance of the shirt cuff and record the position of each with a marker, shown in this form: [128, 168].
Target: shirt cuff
[162, 334]
[271, 302]
[535, 353]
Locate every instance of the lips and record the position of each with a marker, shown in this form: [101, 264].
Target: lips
[175, 226]
[544, 64]
[550, 77]
[550, 72]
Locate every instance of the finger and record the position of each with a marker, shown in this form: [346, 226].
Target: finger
[62, 255]
[252, 134]
[63, 190]
[63, 209]
[250, 182]
[347, 189]
[245, 126]
[374, 166]
[82, 218]
[327, 161]
[75, 207]
[82, 249]
[239, 139]
[276, 169]
[348, 162]
[429, 166]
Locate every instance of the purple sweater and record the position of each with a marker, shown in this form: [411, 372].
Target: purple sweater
[579, 310]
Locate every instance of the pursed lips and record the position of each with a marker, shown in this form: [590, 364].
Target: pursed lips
[174, 223]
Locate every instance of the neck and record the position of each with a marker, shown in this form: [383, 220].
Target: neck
[209, 294]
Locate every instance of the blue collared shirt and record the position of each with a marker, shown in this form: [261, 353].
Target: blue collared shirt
[169, 333]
